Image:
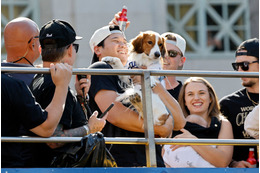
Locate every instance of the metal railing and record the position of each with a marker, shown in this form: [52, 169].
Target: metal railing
[149, 141]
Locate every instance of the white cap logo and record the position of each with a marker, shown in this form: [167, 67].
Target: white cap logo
[48, 35]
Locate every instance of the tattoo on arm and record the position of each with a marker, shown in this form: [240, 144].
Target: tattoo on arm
[76, 132]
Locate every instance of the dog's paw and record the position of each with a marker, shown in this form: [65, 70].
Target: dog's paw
[154, 81]
[124, 97]
[136, 100]
[109, 59]
[125, 79]
[113, 61]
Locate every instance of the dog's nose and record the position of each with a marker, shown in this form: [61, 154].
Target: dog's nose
[157, 54]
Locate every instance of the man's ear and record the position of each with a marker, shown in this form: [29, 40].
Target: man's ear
[97, 50]
[31, 45]
[181, 63]
[183, 59]
[40, 49]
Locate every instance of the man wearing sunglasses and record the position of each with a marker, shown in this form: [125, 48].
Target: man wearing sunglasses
[174, 59]
[236, 106]
[22, 46]
[58, 43]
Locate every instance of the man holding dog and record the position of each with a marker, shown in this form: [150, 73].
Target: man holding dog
[122, 121]
[174, 58]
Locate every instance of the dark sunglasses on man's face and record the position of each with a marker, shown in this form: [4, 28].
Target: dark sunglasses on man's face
[244, 65]
[173, 53]
[76, 46]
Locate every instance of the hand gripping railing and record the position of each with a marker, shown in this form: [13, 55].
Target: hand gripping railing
[149, 141]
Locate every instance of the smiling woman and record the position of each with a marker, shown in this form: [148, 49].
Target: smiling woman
[197, 97]
[198, 90]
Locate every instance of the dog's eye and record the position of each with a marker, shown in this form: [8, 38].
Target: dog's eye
[150, 42]
[160, 44]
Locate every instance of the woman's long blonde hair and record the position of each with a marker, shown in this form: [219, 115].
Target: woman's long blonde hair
[214, 108]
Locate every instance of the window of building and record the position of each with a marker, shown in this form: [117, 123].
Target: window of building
[212, 28]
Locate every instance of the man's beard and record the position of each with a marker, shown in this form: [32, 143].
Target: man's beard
[248, 84]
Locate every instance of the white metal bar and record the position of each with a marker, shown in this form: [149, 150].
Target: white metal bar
[188, 73]
[148, 120]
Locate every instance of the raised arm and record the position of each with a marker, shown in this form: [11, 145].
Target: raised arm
[61, 75]
[172, 105]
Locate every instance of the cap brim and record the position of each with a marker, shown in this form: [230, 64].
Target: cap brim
[78, 37]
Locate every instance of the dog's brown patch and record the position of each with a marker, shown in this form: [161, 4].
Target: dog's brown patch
[136, 101]
[145, 41]
[162, 119]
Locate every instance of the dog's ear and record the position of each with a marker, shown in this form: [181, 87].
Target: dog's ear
[163, 48]
[137, 43]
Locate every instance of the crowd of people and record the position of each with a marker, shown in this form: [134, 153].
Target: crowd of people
[44, 104]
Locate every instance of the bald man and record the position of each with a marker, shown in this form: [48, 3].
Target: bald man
[22, 45]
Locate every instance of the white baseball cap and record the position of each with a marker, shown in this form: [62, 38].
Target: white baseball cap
[99, 35]
[180, 41]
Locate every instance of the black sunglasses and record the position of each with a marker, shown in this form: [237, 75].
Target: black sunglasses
[173, 53]
[32, 39]
[244, 65]
[76, 47]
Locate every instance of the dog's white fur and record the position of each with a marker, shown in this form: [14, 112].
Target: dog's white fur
[133, 95]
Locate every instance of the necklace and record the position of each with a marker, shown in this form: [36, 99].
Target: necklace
[254, 103]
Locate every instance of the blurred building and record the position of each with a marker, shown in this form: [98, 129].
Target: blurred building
[212, 28]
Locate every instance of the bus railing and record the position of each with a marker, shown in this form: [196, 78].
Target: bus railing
[144, 141]
[149, 141]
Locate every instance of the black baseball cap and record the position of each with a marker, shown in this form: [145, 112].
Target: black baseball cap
[251, 46]
[60, 32]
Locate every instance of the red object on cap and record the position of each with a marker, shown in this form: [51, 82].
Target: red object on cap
[123, 17]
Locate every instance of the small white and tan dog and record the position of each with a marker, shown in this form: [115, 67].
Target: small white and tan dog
[146, 49]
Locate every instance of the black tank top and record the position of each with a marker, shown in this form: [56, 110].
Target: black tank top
[201, 132]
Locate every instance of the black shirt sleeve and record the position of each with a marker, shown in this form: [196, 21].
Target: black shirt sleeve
[19, 107]
[103, 82]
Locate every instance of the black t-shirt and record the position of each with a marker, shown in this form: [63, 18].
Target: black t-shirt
[125, 155]
[73, 116]
[236, 107]
[175, 91]
[19, 109]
